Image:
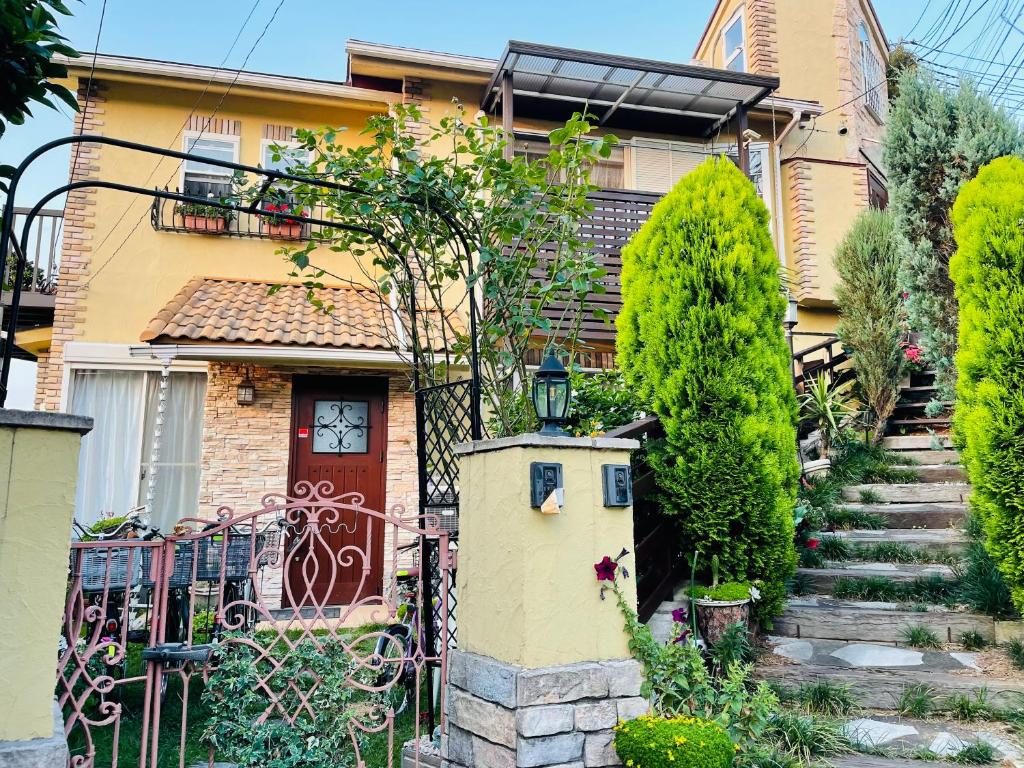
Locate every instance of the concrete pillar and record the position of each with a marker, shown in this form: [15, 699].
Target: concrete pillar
[543, 670]
[38, 472]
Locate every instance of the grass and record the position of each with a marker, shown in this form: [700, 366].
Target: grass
[374, 750]
[868, 496]
[1015, 650]
[799, 584]
[849, 519]
[966, 708]
[916, 701]
[972, 640]
[920, 636]
[898, 552]
[825, 697]
[835, 548]
[924, 589]
[982, 586]
[806, 737]
[978, 753]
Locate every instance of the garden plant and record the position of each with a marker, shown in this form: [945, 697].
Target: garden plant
[701, 343]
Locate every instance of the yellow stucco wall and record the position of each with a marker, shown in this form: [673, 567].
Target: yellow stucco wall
[152, 266]
[38, 470]
[526, 582]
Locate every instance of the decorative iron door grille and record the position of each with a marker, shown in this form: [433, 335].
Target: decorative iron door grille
[174, 651]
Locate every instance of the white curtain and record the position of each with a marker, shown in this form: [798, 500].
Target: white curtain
[114, 464]
[176, 492]
[108, 465]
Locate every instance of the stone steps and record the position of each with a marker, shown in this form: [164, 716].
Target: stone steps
[895, 493]
[825, 618]
[822, 580]
[936, 473]
[916, 442]
[942, 738]
[929, 514]
[878, 675]
[947, 539]
[928, 456]
[870, 761]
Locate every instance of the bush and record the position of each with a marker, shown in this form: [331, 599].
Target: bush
[686, 742]
[870, 309]
[700, 341]
[600, 402]
[988, 271]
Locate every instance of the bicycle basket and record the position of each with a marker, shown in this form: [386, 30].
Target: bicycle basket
[236, 560]
[107, 566]
[181, 574]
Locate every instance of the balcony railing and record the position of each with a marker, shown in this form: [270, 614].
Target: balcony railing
[169, 216]
[42, 254]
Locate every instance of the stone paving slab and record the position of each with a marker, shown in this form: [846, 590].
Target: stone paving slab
[837, 653]
[943, 738]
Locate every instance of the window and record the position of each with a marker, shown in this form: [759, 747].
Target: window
[873, 76]
[115, 462]
[289, 154]
[199, 178]
[734, 49]
[878, 195]
[607, 173]
[341, 426]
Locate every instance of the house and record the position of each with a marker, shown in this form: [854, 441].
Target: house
[160, 327]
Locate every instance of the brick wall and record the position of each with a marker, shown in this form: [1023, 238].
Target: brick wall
[416, 91]
[799, 185]
[763, 46]
[76, 248]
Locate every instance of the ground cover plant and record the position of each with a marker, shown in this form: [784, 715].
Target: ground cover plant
[988, 271]
[688, 742]
[700, 340]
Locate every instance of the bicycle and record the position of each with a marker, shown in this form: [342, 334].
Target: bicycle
[400, 642]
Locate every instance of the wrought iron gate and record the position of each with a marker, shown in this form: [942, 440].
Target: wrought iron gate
[225, 625]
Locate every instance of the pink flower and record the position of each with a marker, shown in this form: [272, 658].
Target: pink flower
[606, 569]
[680, 615]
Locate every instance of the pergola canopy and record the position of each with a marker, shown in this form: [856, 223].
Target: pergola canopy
[547, 82]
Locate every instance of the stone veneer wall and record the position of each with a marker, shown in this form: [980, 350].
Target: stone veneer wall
[503, 716]
[799, 183]
[76, 248]
[245, 447]
[763, 38]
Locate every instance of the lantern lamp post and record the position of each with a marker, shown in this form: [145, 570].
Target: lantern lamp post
[551, 393]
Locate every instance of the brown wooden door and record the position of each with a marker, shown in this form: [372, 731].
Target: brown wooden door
[339, 434]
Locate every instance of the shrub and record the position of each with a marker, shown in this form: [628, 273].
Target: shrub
[825, 697]
[700, 340]
[870, 310]
[982, 586]
[920, 636]
[687, 742]
[935, 141]
[916, 701]
[600, 402]
[1015, 650]
[988, 271]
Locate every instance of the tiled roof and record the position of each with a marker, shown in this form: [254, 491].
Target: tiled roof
[241, 311]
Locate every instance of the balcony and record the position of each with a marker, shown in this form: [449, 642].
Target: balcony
[165, 216]
[39, 282]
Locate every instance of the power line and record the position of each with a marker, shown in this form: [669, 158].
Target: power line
[220, 103]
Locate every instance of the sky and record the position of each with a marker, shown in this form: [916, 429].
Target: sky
[307, 38]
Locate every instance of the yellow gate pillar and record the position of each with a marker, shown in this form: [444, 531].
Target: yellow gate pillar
[543, 670]
[38, 473]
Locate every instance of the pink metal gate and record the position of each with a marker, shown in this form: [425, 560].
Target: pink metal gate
[213, 644]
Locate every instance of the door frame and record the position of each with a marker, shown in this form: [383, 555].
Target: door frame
[376, 386]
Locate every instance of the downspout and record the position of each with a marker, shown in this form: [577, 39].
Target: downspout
[780, 227]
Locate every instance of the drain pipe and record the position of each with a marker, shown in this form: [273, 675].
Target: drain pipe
[780, 227]
[154, 453]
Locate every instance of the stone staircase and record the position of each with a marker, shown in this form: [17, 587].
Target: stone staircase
[863, 643]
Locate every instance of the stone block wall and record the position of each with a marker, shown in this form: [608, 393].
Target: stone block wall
[504, 716]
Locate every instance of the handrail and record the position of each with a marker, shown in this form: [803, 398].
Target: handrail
[648, 425]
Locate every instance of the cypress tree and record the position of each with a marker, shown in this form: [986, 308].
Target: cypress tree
[870, 310]
[935, 141]
[700, 340]
[988, 270]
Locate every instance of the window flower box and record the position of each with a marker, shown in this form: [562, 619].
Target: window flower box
[197, 217]
[275, 224]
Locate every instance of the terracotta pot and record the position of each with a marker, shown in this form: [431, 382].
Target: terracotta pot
[714, 617]
[205, 223]
[287, 230]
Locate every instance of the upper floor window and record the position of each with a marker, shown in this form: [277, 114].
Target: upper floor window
[734, 42]
[607, 173]
[282, 155]
[874, 75]
[203, 179]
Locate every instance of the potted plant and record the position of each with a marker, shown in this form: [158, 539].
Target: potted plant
[201, 217]
[278, 225]
[721, 605]
[826, 407]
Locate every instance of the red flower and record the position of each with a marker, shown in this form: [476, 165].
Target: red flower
[606, 569]
[683, 637]
[813, 543]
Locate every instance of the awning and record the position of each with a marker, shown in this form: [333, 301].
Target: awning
[622, 91]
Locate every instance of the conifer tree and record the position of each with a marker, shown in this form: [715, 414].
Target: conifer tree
[988, 270]
[700, 340]
[935, 141]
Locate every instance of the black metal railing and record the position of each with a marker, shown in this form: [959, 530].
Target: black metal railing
[171, 216]
[823, 356]
[43, 253]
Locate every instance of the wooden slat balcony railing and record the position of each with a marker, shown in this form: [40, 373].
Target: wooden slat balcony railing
[819, 353]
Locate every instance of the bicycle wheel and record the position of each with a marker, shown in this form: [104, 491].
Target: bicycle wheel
[397, 674]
